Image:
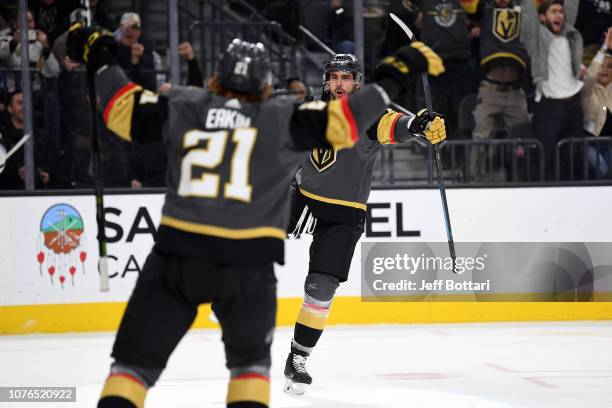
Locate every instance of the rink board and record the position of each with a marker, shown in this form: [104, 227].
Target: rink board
[49, 283]
[87, 317]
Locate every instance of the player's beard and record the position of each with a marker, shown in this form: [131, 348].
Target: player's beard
[552, 28]
[333, 96]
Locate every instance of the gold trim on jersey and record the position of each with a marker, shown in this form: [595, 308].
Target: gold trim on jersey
[123, 386]
[506, 24]
[386, 126]
[229, 233]
[333, 200]
[341, 130]
[503, 55]
[249, 388]
[118, 112]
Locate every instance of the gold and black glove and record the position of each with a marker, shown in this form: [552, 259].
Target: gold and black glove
[90, 45]
[407, 63]
[432, 127]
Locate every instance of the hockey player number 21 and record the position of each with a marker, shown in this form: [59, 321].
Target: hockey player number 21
[207, 185]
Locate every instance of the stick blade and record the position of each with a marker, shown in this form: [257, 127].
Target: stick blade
[403, 26]
[103, 270]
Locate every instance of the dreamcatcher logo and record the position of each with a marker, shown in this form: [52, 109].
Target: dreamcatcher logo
[62, 244]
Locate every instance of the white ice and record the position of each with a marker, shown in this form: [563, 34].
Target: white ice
[502, 365]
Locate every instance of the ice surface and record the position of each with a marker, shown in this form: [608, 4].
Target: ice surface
[494, 365]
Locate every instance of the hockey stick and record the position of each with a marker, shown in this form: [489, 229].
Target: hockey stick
[316, 40]
[441, 187]
[96, 150]
[98, 185]
[20, 143]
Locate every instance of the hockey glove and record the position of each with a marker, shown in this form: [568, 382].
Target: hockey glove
[408, 62]
[433, 128]
[86, 44]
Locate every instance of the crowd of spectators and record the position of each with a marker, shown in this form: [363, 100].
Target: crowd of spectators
[62, 117]
[519, 64]
[544, 64]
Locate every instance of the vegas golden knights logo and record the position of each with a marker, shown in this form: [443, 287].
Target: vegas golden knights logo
[506, 24]
[445, 15]
[323, 159]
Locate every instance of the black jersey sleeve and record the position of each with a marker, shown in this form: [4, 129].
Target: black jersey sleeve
[128, 110]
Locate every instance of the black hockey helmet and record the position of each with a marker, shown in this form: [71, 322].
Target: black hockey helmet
[244, 67]
[342, 63]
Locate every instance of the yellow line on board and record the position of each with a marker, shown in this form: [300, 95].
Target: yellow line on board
[86, 317]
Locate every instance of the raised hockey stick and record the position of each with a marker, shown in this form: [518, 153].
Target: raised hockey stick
[441, 187]
[96, 150]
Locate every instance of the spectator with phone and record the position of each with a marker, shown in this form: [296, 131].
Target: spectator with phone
[37, 40]
[39, 51]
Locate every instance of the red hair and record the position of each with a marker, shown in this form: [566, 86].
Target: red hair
[215, 87]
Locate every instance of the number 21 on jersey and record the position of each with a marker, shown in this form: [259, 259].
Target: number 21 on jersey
[210, 157]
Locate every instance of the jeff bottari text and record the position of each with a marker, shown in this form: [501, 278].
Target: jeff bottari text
[435, 285]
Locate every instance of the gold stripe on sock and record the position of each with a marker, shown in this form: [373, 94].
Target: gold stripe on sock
[127, 387]
[249, 387]
[312, 319]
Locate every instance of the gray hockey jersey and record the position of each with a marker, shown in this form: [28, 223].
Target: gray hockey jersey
[230, 162]
[340, 177]
[337, 184]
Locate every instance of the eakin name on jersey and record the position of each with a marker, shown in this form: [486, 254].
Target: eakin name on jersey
[221, 118]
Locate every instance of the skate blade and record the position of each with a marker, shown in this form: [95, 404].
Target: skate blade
[213, 317]
[295, 388]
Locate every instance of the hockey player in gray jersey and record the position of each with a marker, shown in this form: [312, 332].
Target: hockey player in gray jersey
[231, 156]
[335, 185]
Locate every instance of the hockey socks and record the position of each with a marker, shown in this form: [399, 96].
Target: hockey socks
[248, 390]
[310, 323]
[123, 390]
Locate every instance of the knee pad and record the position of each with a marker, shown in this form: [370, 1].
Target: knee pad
[320, 286]
[260, 368]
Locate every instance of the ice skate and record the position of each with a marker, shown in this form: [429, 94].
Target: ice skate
[297, 377]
